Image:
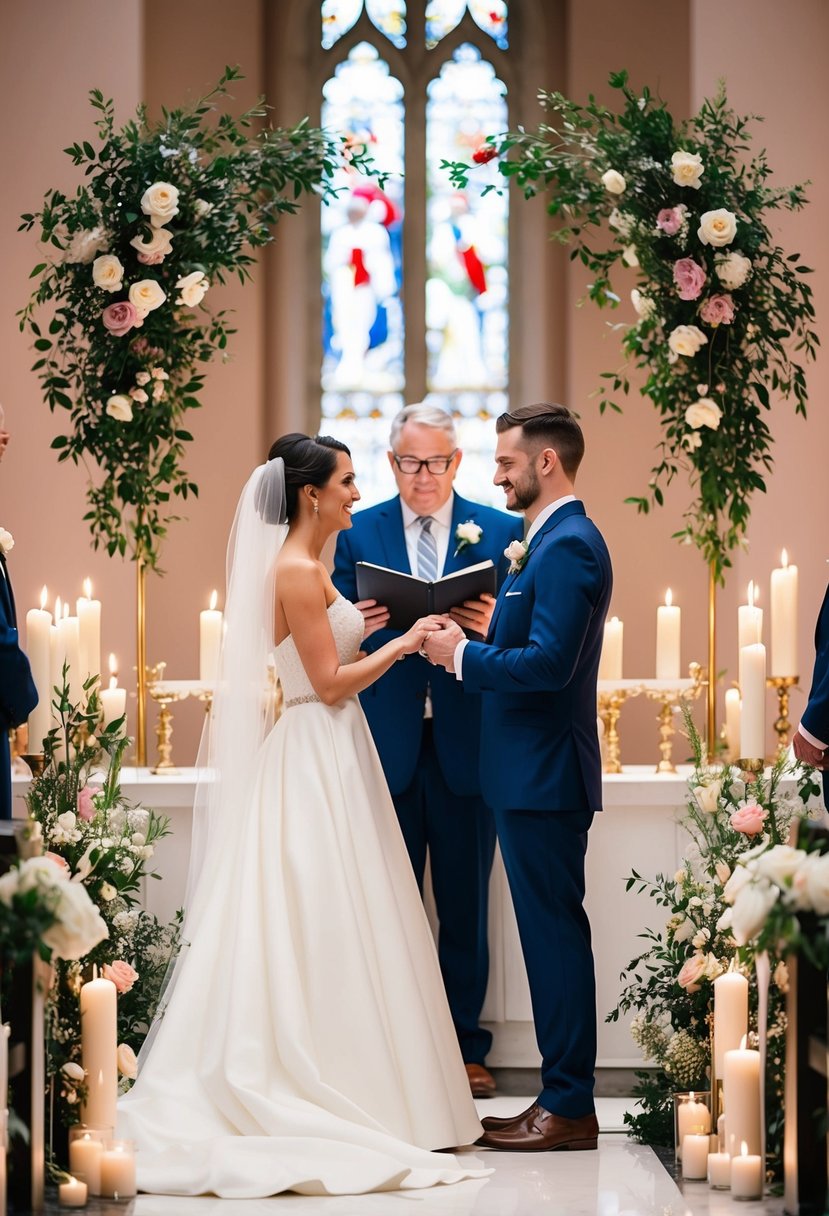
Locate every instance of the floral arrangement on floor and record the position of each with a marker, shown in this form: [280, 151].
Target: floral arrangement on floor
[100, 846]
[670, 985]
[168, 209]
[720, 317]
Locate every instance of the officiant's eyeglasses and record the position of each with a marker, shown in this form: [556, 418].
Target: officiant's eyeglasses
[411, 466]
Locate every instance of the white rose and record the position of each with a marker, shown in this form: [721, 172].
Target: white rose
[160, 203]
[614, 182]
[158, 246]
[687, 169]
[108, 892]
[108, 273]
[717, 227]
[192, 288]
[85, 245]
[732, 269]
[686, 340]
[469, 532]
[629, 257]
[139, 820]
[684, 931]
[707, 796]
[811, 884]
[73, 1071]
[779, 864]
[79, 926]
[6, 540]
[741, 876]
[201, 208]
[704, 412]
[119, 407]
[85, 865]
[146, 295]
[751, 908]
[126, 1061]
[621, 222]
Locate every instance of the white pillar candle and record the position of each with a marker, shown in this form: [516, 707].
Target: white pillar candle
[89, 629]
[85, 1153]
[749, 621]
[118, 1170]
[210, 642]
[719, 1171]
[753, 713]
[746, 1175]
[99, 1045]
[113, 699]
[70, 642]
[610, 663]
[72, 1194]
[784, 619]
[694, 1156]
[692, 1118]
[39, 652]
[730, 1017]
[732, 722]
[741, 1099]
[668, 626]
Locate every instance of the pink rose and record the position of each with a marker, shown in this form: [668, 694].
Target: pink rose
[749, 819]
[670, 220]
[692, 972]
[60, 862]
[122, 974]
[717, 310]
[85, 808]
[120, 318]
[151, 259]
[689, 278]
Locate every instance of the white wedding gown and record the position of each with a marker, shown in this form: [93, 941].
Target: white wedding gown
[307, 1045]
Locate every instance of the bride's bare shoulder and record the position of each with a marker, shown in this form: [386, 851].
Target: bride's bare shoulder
[297, 572]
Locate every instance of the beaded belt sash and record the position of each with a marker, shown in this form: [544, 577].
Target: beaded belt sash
[306, 700]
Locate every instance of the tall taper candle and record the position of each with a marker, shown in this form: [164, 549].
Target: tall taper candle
[210, 642]
[99, 1047]
[753, 690]
[749, 620]
[610, 663]
[89, 632]
[741, 1099]
[39, 651]
[668, 627]
[784, 619]
[730, 1016]
[732, 722]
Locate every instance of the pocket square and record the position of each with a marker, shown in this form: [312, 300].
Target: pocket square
[508, 593]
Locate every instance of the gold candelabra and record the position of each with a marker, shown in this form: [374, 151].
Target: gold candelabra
[612, 696]
[165, 695]
[671, 694]
[781, 685]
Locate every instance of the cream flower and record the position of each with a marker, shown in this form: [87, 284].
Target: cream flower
[142, 378]
[704, 412]
[613, 182]
[687, 168]
[751, 907]
[707, 796]
[201, 208]
[732, 269]
[85, 245]
[108, 273]
[192, 288]
[107, 892]
[73, 1071]
[644, 306]
[154, 250]
[686, 340]
[516, 554]
[779, 864]
[119, 407]
[717, 227]
[160, 203]
[126, 1061]
[630, 257]
[146, 295]
[6, 540]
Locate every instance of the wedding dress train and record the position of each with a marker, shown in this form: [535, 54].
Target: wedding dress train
[307, 1045]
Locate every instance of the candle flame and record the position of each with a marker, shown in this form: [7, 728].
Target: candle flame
[751, 594]
[743, 1149]
[43, 597]
[213, 598]
[691, 1096]
[614, 620]
[87, 588]
[669, 599]
[784, 557]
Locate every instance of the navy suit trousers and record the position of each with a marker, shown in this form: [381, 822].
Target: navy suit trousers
[544, 859]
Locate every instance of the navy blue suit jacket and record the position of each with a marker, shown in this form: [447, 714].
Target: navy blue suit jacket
[394, 704]
[18, 695]
[538, 670]
[816, 715]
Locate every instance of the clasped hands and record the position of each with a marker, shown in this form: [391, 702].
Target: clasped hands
[439, 645]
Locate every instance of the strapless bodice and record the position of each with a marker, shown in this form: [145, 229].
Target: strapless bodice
[347, 626]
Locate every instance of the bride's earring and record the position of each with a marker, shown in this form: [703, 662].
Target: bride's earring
[316, 507]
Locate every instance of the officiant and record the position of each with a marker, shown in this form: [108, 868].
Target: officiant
[426, 730]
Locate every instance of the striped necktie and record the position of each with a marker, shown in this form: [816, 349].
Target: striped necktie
[427, 550]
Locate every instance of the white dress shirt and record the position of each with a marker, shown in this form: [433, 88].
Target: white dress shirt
[537, 524]
[441, 527]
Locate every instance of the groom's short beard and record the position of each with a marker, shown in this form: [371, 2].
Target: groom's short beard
[528, 491]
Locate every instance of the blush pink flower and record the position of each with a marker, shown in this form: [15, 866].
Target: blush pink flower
[670, 220]
[692, 972]
[717, 310]
[689, 277]
[86, 809]
[60, 862]
[122, 974]
[120, 318]
[749, 819]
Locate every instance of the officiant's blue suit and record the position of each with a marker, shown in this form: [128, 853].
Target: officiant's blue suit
[541, 770]
[433, 768]
[18, 695]
[816, 714]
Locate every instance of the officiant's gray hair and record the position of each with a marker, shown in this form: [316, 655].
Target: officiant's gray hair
[423, 415]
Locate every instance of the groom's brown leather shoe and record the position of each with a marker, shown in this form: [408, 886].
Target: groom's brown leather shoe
[539, 1130]
[481, 1081]
[496, 1121]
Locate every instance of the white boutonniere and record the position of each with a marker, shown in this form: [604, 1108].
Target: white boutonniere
[6, 541]
[517, 553]
[466, 534]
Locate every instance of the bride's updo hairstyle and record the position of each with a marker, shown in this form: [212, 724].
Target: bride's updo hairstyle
[308, 462]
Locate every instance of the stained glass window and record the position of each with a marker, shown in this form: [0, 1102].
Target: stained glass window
[339, 16]
[443, 16]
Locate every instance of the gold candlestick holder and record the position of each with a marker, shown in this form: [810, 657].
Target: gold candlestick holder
[671, 694]
[164, 694]
[612, 695]
[36, 762]
[781, 685]
[753, 768]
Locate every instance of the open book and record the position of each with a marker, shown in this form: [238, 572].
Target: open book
[408, 597]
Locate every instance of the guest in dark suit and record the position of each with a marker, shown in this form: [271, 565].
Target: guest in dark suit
[426, 731]
[540, 763]
[812, 736]
[18, 696]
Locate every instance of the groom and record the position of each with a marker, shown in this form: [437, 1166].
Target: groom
[540, 764]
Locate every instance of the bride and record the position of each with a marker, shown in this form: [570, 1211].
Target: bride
[305, 1042]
